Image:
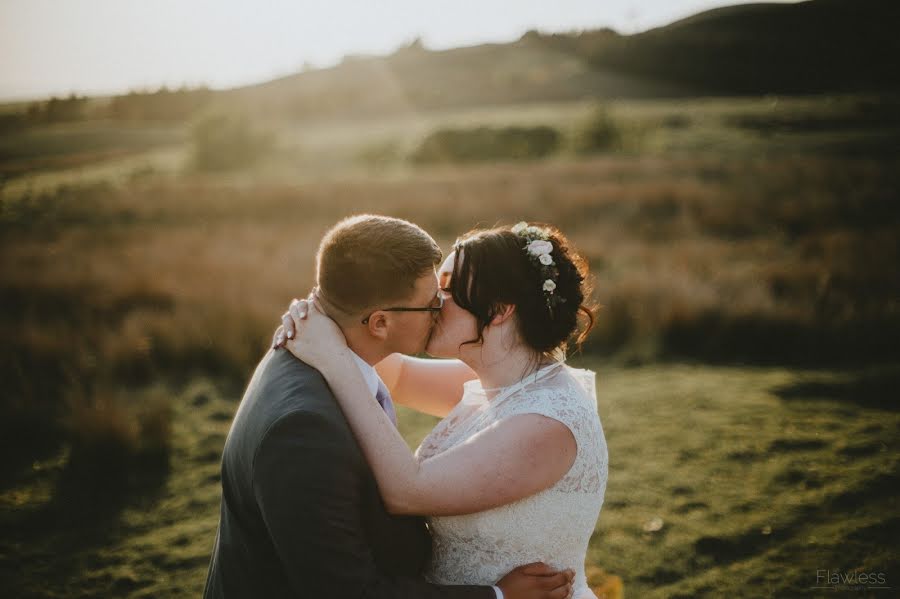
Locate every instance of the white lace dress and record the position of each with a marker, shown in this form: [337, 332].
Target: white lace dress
[553, 526]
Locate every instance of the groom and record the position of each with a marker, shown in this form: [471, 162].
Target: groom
[301, 515]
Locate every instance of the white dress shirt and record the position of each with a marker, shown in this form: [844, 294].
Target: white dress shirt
[369, 373]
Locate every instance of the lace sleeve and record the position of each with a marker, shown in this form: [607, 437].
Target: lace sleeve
[574, 405]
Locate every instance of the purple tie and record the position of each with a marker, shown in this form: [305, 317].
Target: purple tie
[384, 398]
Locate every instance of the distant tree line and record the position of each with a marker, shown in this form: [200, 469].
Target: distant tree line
[57, 110]
[162, 105]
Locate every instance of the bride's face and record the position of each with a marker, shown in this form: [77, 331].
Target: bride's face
[454, 325]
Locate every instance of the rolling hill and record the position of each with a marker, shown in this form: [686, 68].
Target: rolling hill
[810, 47]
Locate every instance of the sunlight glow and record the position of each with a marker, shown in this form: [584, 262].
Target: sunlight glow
[111, 46]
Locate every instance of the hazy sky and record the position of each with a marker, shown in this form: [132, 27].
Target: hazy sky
[110, 46]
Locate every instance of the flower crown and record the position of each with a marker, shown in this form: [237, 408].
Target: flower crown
[538, 247]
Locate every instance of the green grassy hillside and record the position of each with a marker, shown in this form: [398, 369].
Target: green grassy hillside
[724, 482]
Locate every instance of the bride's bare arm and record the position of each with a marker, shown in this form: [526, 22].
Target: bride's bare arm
[430, 386]
[514, 458]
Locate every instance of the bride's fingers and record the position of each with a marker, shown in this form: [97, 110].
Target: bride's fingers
[300, 305]
[303, 309]
[278, 338]
[298, 311]
[288, 324]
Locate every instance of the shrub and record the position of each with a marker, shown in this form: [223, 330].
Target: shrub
[116, 439]
[599, 133]
[488, 143]
[380, 154]
[226, 142]
[676, 121]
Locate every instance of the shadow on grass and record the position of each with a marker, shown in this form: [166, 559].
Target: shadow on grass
[716, 338]
[874, 389]
[25, 440]
[45, 547]
[788, 542]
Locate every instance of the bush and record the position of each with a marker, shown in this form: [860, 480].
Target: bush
[488, 143]
[600, 133]
[226, 142]
[117, 440]
[380, 154]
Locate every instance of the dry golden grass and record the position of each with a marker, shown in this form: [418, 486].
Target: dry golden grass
[781, 260]
[111, 431]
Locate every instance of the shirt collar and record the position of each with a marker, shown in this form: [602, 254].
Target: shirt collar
[369, 373]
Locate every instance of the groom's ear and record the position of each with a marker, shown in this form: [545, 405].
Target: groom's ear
[377, 325]
[504, 313]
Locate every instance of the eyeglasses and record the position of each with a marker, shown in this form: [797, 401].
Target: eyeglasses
[432, 309]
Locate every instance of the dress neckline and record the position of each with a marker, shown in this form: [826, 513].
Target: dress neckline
[476, 387]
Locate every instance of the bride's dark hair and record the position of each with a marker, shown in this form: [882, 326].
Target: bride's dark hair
[492, 269]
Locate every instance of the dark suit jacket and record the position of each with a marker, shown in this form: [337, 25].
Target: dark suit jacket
[301, 515]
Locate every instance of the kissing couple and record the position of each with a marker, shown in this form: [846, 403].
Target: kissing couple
[321, 496]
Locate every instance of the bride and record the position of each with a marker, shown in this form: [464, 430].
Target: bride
[516, 470]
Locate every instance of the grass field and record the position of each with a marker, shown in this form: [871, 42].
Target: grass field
[743, 253]
[41, 159]
[737, 482]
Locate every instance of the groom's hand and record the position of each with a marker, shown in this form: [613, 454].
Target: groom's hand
[537, 581]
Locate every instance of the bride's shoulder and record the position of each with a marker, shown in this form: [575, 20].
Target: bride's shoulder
[566, 388]
[574, 383]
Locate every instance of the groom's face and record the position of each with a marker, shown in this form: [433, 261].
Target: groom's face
[409, 331]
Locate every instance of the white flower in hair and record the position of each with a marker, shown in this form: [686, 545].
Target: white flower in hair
[546, 259]
[519, 227]
[539, 247]
[549, 285]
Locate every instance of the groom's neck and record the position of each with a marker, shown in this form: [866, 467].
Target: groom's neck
[368, 349]
[364, 346]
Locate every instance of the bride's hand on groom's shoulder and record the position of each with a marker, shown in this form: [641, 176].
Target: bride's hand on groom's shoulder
[296, 313]
[293, 320]
[308, 333]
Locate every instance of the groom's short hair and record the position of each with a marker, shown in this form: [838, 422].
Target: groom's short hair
[369, 261]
